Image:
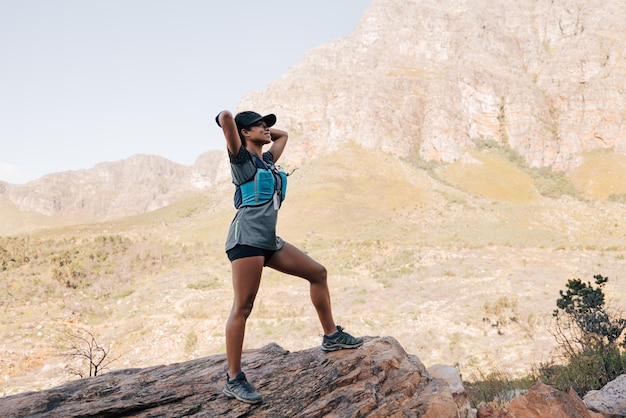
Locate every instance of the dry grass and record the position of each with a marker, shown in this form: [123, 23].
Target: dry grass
[601, 174]
[456, 272]
[493, 177]
[13, 221]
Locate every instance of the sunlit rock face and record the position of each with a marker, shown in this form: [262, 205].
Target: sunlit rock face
[435, 76]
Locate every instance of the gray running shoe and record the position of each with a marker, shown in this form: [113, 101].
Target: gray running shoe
[240, 389]
[340, 339]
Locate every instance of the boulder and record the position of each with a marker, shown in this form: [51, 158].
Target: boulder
[378, 379]
[541, 401]
[452, 377]
[610, 400]
[545, 401]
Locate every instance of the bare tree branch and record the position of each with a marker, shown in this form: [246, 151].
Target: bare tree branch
[93, 356]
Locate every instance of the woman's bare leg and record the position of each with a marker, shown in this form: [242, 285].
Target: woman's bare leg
[246, 274]
[291, 260]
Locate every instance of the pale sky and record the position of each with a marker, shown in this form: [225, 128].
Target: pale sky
[89, 81]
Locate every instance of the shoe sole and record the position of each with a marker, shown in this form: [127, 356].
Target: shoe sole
[232, 395]
[337, 347]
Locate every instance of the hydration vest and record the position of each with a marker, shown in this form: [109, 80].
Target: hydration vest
[269, 183]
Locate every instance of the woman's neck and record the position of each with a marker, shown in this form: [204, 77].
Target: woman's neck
[256, 149]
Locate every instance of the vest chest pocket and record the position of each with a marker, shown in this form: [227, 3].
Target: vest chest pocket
[260, 190]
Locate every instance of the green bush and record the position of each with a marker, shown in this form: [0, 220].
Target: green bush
[584, 371]
[589, 353]
[588, 335]
[584, 322]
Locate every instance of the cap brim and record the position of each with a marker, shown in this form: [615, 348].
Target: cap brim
[270, 120]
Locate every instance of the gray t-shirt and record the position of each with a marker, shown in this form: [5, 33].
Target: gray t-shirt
[252, 225]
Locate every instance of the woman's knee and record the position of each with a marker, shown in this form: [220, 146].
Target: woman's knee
[243, 309]
[319, 275]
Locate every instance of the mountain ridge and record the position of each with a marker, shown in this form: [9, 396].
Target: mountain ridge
[431, 82]
[139, 184]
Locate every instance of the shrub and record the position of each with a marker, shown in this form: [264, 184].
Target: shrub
[588, 335]
[583, 322]
[496, 388]
[589, 353]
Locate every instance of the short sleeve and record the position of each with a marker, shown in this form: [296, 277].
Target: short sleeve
[243, 156]
[242, 167]
[268, 157]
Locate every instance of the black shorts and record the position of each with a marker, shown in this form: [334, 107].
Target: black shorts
[243, 251]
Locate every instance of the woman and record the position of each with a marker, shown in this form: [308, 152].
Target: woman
[252, 242]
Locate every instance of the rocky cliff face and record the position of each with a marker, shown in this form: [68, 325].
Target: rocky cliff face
[433, 76]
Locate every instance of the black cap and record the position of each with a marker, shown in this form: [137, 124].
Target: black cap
[249, 118]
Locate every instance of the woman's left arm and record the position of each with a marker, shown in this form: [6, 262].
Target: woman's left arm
[279, 140]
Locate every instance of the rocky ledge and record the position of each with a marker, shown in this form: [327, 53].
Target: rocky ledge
[377, 380]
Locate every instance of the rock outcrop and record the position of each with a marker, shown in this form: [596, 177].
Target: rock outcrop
[541, 401]
[377, 380]
[544, 78]
[451, 376]
[610, 400]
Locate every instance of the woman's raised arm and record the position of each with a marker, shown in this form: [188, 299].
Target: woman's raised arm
[279, 140]
[226, 121]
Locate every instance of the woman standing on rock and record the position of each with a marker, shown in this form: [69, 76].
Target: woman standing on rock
[252, 242]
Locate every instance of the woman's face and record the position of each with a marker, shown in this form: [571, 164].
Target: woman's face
[259, 132]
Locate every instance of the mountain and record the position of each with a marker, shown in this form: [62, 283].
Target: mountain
[429, 81]
[434, 79]
[140, 184]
